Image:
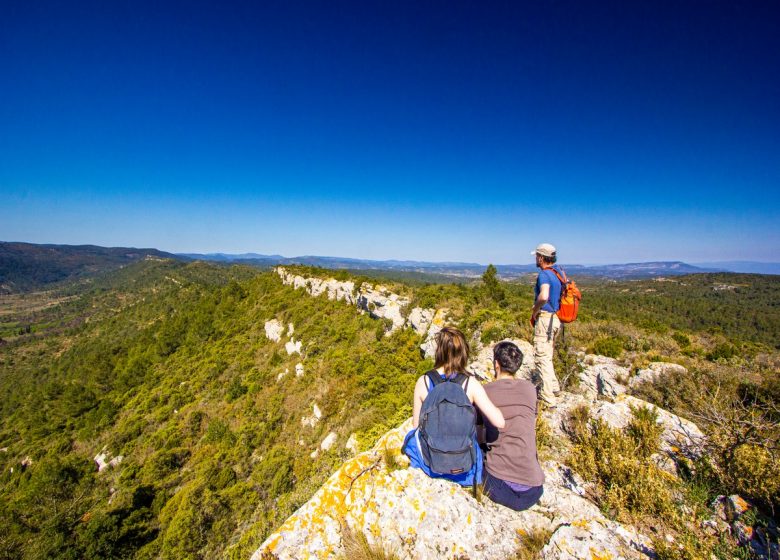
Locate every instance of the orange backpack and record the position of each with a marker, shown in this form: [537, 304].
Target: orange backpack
[570, 298]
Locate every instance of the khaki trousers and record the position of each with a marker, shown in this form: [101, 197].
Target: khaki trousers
[545, 331]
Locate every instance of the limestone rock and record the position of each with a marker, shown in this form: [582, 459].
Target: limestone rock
[293, 347]
[596, 359]
[104, 460]
[335, 290]
[380, 303]
[290, 329]
[403, 511]
[274, 330]
[482, 366]
[603, 376]
[298, 370]
[420, 319]
[328, 442]
[352, 444]
[680, 437]
[282, 375]
[314, 419]
[654, 371]
[437, 323]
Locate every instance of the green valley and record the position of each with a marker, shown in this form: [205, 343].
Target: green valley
[221, 429]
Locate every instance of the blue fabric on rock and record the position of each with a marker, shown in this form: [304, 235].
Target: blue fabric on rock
[411, 448]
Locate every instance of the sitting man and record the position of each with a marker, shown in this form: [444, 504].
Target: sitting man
[512, 474]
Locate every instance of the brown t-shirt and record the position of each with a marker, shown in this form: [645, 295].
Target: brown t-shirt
[512, 454]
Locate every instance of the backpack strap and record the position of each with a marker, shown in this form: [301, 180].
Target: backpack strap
[459, 379]
[434, 377]
[563, 279]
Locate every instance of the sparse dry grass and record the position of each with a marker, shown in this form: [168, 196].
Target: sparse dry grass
[532, 543]
[357, 547]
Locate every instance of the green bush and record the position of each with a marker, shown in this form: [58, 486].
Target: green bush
[627, 482]
[611, 347]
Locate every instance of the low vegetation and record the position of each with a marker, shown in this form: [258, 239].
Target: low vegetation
[167, 364]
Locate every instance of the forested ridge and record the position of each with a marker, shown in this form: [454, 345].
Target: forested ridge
[168, 365]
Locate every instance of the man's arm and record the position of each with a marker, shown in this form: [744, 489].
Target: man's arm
[541, 299]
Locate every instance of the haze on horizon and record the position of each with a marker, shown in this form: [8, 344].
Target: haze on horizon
[620, 132]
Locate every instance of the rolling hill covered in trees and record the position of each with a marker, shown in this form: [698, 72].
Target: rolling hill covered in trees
[221, 429]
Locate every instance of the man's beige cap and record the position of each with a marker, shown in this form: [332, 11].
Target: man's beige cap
[545, 249]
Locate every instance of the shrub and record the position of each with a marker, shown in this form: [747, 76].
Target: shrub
[626, 481]
[611, 347]
[681, 339]
[645, 430]
[723, 351]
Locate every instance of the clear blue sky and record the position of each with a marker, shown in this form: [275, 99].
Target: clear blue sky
[620, 131]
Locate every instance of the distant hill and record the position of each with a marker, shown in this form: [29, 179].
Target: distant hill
[744, 266]
[461, 269]
[28, 266]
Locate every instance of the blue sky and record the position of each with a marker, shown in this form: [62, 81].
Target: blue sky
[620, 131]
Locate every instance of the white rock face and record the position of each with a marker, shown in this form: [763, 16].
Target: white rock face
[105, 460]
[293, 347]
[380, 303]
[299, 370]
[437, 323]
[680, 437]
[335, 290]
[328, 442]
[290, 329]
[274, 330]
[654, 371]
[603, 376]
[352, 444]
[482, 366]
[420, 319]
[404, 511]
[315, 417]
[282, 375]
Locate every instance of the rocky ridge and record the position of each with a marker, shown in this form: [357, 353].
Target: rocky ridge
[402, 511]
[376, 300]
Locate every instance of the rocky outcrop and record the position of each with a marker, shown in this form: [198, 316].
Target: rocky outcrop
[679, 438]
[292, 346]
[761, 538]
[314, 419]
[420, 320]
[403, 511]
[335, 290]
[482, 365]
[381, 303]
[274, 330]
[654, 371]
[105, 460]
[602, 376]
[378, 302]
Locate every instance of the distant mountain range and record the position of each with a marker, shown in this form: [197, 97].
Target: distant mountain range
[467, 269]
[28, 266]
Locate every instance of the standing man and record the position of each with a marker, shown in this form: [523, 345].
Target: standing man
[547, 297]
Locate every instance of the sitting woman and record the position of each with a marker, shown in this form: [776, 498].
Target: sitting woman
[443, 442]
[513, 476]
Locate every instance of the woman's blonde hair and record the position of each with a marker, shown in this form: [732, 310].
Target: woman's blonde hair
[452, 351]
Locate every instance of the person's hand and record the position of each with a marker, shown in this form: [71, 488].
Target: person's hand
[534, 317]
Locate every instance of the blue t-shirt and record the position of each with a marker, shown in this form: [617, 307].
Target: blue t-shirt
[547, 276]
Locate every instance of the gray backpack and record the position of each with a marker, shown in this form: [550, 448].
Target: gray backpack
[447, 426]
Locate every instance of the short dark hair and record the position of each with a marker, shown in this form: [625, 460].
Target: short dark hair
[549, 260]
[508, 356]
